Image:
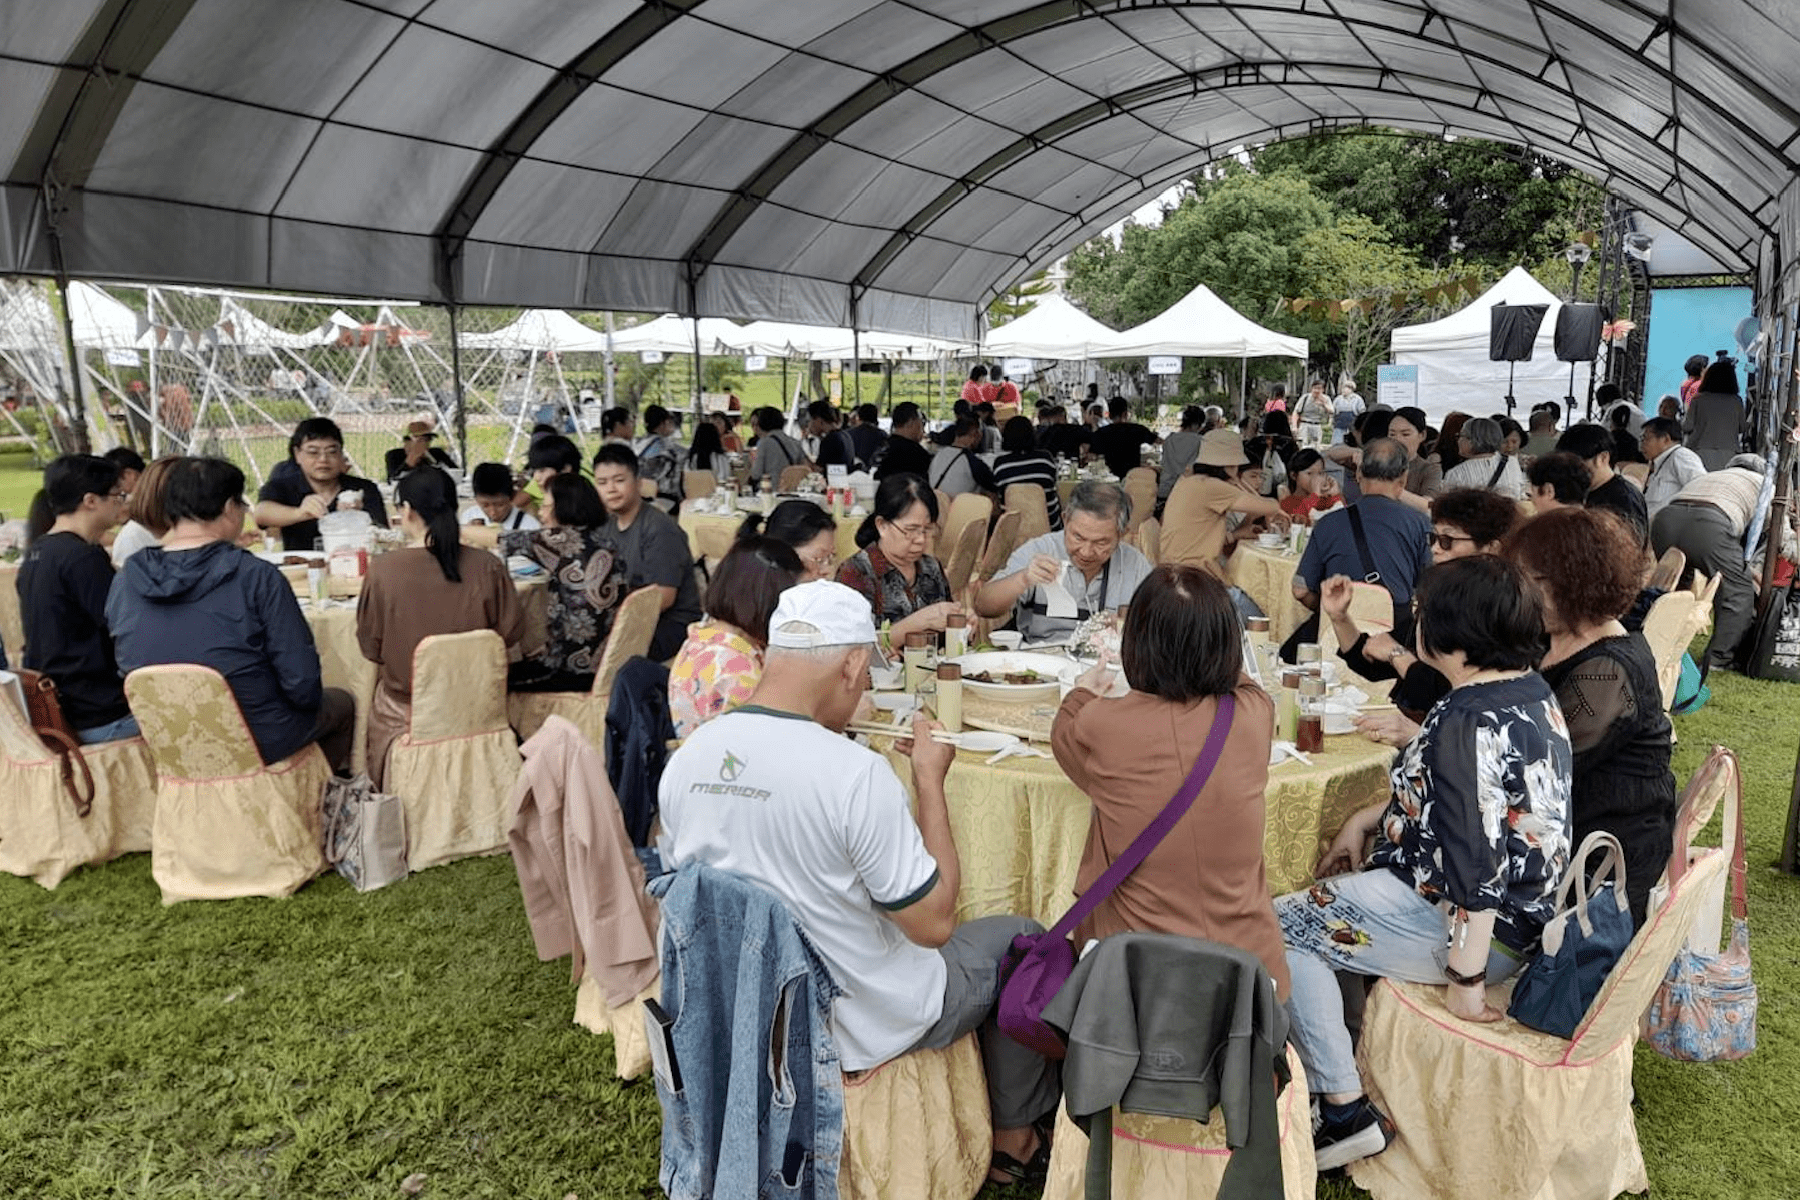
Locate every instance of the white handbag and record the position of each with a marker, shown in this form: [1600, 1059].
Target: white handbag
[364, 833]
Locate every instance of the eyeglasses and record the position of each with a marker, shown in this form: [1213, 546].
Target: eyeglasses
[912, 533]
[1447, 541]
[121, 497]
[320, 452]
[819, 562]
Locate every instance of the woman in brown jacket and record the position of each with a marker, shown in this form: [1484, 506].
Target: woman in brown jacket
[1181, 651]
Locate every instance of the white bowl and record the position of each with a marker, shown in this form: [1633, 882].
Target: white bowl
[1006, 639]
[1270, 541]
[1335, 723]
[1050, 669]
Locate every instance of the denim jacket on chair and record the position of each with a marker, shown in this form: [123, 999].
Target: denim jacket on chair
[760, 1112]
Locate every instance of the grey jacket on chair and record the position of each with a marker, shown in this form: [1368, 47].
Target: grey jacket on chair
[1172, 1026]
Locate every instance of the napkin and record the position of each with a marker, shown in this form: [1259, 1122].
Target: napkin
[1280, 752]
[1022, 750]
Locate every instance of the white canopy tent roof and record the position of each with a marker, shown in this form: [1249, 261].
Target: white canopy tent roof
[1200, 325]
[671, 334]
[27, 322]
[540, 329]
[878, 164]
[1053, 328]
[1452, 356]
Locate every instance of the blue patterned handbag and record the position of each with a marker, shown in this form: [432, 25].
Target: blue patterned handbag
[1582, 942]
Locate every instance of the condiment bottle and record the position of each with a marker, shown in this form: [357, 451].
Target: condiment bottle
[1287, 706]
[1310, 660]
[916, 657]
[1309, 729]
[949, 696]
[956, 638]
[768, 496]
[1258, 640]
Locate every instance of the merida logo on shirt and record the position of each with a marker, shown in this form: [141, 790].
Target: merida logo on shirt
[730, 768]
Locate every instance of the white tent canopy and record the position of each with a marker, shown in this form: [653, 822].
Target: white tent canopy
[1452, 356]
[1200, 325]
[27, 322]
[541, 329]
[671, 334]
[1053, 328]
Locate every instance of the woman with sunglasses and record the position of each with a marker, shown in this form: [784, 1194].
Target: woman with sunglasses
[1464, 522]
[904, 585]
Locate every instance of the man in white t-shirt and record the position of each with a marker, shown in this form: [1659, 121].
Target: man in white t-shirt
[774, 792]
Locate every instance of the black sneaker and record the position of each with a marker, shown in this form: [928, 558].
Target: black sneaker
[1358, 1131]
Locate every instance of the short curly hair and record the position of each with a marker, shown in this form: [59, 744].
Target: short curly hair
[1483, 515]
[1590, 561]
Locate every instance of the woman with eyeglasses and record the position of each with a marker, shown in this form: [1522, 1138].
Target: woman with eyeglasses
[1464, 522]
[720, 664]
[905, 586]
[803, 526]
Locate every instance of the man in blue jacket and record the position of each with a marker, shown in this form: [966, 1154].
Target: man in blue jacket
[200, 598]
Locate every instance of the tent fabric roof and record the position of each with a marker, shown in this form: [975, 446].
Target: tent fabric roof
[27, 322]
[888, 164]
[1201, 325]
[1467, 328]
[1053, 328]
[540, 329]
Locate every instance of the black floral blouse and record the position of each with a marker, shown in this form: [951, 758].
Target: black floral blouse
[891, 597]
[587, 584]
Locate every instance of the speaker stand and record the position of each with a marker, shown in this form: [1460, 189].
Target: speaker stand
[1510, 402]
[1569, 400]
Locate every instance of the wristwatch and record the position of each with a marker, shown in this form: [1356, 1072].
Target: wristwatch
[1396, 652]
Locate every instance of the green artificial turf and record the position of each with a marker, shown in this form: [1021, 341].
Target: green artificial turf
[334, 1044]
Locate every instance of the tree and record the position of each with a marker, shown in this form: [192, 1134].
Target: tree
[1020, 299]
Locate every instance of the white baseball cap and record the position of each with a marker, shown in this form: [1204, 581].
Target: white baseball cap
[821, 613]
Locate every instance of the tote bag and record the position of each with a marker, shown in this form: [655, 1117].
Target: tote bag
[365, 833]
[1582, 942]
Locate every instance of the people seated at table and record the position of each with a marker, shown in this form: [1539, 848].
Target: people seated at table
[293, 502]
[586, 581]
[1194, 519]
[1481, 463]
[955, 468]
[1180, 449]
[435, 586]
[63, 584]
[905, 586]
[1541, 432]
[728, 435]
[1512, 436]
[904, 452]
[200, 598]
[495, 501]
[1706, 521]
[617, 425]
[719, 664]
[804, 527]
[1088, 559]
[652, 545]
[836, 448]
[708, 453]
[1379, 539]
[660, 454]
[1121, 443]
[1463, 522]
[1672, 465]
[146, 522]
[867, 435]
[1311, 489]
[828, 827]
[1588, 565]
[1181, 652]
[1066, 439]
[1021, 461]
[775, 451]
[1558, 480]
[1468, 851]
[1607, 488]
[415, 450]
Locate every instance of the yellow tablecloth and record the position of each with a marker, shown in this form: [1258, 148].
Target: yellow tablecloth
[342, 665]
[1267, 577]
[1020, 824]
[710, 534]
[12, 623]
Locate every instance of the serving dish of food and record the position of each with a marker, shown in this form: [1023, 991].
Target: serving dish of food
[1015, 675]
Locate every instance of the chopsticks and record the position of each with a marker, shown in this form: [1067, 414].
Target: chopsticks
[874, 730]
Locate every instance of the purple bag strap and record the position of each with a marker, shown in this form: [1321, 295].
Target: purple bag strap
[1158, 829]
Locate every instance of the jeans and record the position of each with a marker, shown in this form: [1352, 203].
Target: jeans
[1246, 607]
[113, 731]
[1022, 1085]
[1369, 923]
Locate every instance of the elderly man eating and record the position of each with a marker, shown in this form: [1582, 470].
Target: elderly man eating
[1087, 561]
[774, 792]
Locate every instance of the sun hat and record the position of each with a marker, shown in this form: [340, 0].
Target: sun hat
[1222, 448]
[420, 429]
[821, 613]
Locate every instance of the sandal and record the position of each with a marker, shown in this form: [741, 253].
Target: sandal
[1009, 1171]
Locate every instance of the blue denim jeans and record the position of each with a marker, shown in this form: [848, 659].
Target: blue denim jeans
[113, 731]
[1369, 923]
[1246, 607]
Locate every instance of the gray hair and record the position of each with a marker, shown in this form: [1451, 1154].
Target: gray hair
[1097, 498]
[1484, 434]
[1383, 460]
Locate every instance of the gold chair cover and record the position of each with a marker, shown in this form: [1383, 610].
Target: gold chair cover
[1140, 485]
[970, 507]
[226, 825]
[633, 627]
[1027, 499]
[1169, 1158]
[41, 838]
[917, 1127]
[625, 1024]
[455, 767]
[963, 556]
[1504, 1112]
[1149, 540]
[12, 620]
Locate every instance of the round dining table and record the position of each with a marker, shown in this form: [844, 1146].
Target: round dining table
[1020, 824]
[1267, 577]
[711, 534]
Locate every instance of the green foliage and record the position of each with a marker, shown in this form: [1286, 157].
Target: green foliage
[1019, 300]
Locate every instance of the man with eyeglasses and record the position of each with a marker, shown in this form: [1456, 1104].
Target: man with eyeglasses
[293, 501]
[1087, 559]
[63, 585]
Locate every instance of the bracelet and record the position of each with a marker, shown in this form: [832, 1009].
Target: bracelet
[1461, 980]
[1396, 652]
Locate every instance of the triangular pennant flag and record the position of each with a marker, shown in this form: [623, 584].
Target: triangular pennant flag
[1400, 300]
[176, 338]
[1299, 306]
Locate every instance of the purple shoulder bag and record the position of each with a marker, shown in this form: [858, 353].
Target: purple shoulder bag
[1038, 964]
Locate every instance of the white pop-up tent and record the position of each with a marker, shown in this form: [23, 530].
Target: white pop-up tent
[1455, 373]
[543, 330]
[1200, 325]
[673, 335]
[1053, 328]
